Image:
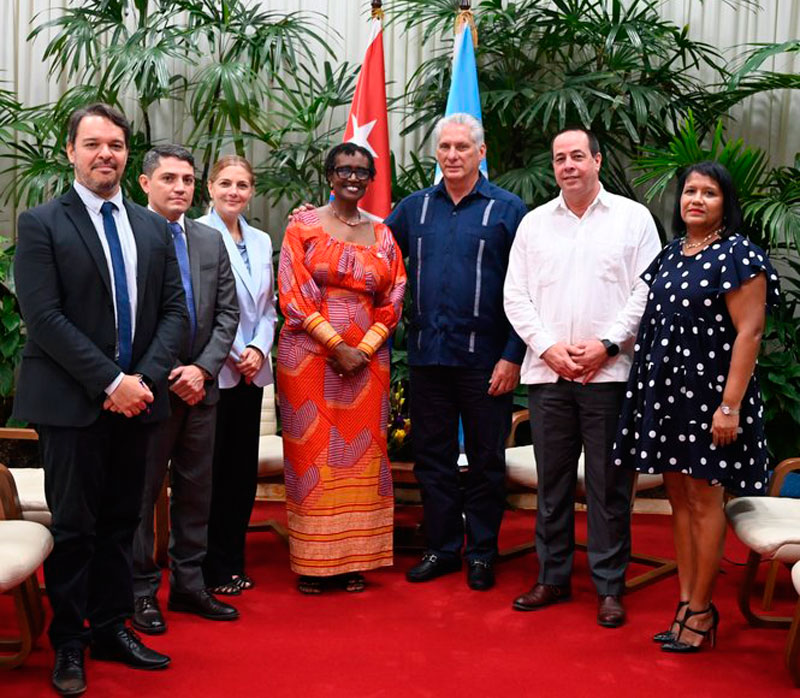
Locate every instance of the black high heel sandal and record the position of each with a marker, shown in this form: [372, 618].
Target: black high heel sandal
[668, 635]
[710, 634]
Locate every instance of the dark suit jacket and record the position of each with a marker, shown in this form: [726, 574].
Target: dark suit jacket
[215, 304]
[64, 291]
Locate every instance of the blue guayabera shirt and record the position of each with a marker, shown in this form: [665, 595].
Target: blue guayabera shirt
[457, 261]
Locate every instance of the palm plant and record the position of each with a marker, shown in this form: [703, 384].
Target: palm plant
[770, 197]
[307, 109]
[219, 57]
[615, 66]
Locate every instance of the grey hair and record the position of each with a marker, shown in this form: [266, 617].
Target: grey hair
[475, 127]
[152, 158]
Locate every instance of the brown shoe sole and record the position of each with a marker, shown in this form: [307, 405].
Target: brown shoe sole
[517, 606]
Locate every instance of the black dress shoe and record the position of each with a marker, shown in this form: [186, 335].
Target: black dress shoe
[69, 678]
[432, 566]
[147, 616]
[202, 604]
[121, 644]
[480, 576]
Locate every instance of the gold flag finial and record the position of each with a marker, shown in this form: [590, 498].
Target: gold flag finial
[466, 16]
[377, 11]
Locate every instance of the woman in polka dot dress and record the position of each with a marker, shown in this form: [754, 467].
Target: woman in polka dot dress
[692, 408]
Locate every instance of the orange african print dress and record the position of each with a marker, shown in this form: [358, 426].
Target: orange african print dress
[339, 494]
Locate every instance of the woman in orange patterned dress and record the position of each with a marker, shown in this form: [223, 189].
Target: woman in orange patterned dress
[341, 282]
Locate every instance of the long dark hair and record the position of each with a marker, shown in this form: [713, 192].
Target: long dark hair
[731, 210]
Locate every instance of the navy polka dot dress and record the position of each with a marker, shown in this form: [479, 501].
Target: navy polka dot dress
[680, 365]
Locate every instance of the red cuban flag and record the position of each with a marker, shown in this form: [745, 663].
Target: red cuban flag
[368, 125]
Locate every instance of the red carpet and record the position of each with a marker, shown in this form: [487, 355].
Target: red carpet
[440, 639]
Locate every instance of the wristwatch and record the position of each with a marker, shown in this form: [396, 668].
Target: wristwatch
[611, 348]
[727, 410]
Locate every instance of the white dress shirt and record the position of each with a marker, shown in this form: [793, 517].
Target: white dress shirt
[571, 279]
[127, 242]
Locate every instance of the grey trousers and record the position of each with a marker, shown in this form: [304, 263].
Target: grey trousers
[185, 442]
[565, 416]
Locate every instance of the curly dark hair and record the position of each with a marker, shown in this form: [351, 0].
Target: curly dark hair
[348, 149]
[732, 219]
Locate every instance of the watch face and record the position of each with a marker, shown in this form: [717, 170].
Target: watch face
[725, 409]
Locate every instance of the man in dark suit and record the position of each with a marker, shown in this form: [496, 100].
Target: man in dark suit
[100, 292]
[185, 441]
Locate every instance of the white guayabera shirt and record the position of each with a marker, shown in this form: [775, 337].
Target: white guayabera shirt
[571, 279]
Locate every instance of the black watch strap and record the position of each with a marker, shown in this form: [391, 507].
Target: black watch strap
[611, 348]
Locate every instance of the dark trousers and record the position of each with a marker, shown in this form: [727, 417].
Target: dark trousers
[564, 416]
[439, 396]
[93, 484]
[234, 479]
[185, 442]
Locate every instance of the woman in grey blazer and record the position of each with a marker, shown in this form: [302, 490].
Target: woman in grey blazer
[242, 378]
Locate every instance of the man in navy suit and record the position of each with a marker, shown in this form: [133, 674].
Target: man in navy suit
[101, 296]
[186, 439]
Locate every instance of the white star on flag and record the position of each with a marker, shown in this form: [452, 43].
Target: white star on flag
[361, 134]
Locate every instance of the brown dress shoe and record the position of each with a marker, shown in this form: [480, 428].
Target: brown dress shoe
[541, 595]
[610, 613]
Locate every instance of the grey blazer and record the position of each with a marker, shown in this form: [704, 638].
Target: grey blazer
[216, 307]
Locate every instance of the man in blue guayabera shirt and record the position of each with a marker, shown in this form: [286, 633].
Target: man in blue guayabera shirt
[463, 355]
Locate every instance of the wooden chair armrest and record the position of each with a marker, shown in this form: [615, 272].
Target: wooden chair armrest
[23, 434]
[519, 417]
[779, 475]
[9, 499]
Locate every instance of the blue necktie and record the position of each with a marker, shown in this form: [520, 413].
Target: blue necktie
[124, 326]
[186, 276]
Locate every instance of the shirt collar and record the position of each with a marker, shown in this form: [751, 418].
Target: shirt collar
[92, 201]
[481, 187]
[603, 198]
[180, 220]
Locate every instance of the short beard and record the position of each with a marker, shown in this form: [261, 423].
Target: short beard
[102, 189]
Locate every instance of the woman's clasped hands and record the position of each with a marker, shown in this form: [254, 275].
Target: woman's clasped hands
[347, 360]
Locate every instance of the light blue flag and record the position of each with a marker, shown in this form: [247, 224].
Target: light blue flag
[464, 97]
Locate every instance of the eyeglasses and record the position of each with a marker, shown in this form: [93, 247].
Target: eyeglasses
[362, 173]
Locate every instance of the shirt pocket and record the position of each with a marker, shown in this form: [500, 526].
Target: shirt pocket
[546, 265]
[611, 266]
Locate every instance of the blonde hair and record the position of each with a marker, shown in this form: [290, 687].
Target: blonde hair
[230, 161]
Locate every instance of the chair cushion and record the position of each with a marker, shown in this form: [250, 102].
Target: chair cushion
[30, 490]
[269, 415]
[521, 470]
[23, 547]
[768, 525]
[270, 455]
[41, 517]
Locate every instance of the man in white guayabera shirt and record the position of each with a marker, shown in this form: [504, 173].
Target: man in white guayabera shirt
[574, 296]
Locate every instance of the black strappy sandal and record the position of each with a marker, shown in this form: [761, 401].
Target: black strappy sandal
[244, 582]
[680, 647]
[309, 585]
[670, 635]
[353, 582]
[230, 588]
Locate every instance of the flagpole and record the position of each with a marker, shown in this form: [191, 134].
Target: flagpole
[467, 16]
